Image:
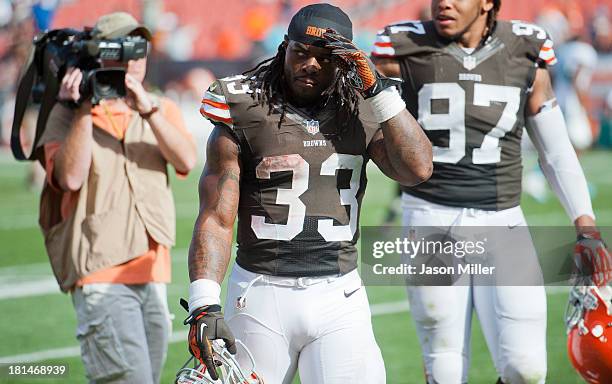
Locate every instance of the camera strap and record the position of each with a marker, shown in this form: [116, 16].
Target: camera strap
[21, 103]
[34, 69]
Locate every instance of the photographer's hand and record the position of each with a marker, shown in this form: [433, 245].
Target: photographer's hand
[69, 87]
[137, 98]
[178, 149]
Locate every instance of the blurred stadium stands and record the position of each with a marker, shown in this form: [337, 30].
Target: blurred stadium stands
[228, 28]
[229, 36]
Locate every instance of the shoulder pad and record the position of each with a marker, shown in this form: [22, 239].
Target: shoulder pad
[531, 41]
[221, 96]
[403, 38]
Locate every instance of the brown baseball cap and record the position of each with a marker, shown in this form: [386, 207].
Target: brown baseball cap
[119, 24]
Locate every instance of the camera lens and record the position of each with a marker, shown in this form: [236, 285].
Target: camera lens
[108, 83]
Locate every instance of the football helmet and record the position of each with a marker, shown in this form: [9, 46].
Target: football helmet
[229, 370]
[588, 320]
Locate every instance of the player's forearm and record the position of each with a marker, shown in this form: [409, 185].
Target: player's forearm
[210, 251]
[209, 256]
[73, 159]
[408, 148]
[177, 148]
[559, 162]
[547, 129]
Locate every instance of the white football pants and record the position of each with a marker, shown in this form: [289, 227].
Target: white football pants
[513, 318]
[321, 326]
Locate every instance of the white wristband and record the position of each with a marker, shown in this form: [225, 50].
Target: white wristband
[387, 104]
[203, 292]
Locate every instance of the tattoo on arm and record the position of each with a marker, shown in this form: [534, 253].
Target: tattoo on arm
[228, 190]
[378, 153]
[208, 255]
[405, 154]
[219, 188]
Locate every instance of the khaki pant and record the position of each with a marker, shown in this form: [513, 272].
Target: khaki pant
[123, 331]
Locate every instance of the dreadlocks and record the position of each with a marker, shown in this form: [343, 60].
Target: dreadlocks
[267, 76]
[492, 16]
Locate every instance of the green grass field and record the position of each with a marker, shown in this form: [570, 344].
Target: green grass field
[40, 323]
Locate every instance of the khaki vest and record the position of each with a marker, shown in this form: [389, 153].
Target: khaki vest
[125, 197]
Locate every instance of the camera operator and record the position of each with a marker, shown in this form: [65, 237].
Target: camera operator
[108, 216]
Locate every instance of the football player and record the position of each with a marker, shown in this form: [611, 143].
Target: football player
[474, 82]
[288, 157]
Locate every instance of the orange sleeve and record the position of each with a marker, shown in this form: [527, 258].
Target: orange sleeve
[173, 114]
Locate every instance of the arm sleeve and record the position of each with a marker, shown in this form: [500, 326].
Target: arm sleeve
[559, 162]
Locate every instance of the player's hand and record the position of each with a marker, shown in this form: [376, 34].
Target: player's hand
[207, 324]
[361, 71]
[593, 258]
[137, 97]
[69, 87]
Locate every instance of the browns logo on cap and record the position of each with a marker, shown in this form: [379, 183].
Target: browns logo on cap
[315, 31]
[310, 23]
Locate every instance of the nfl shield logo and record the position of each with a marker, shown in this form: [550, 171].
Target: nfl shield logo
[312, 126]
[469, 62]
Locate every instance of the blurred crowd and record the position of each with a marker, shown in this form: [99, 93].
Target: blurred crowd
[234, 34]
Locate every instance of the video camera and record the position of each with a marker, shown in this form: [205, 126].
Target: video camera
[69, 48]
[56, 51]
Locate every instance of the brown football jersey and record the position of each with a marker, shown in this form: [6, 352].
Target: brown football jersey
[301, 181]
[471, 105]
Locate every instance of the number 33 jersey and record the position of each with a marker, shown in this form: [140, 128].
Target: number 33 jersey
[301, 182]
[471, 106]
